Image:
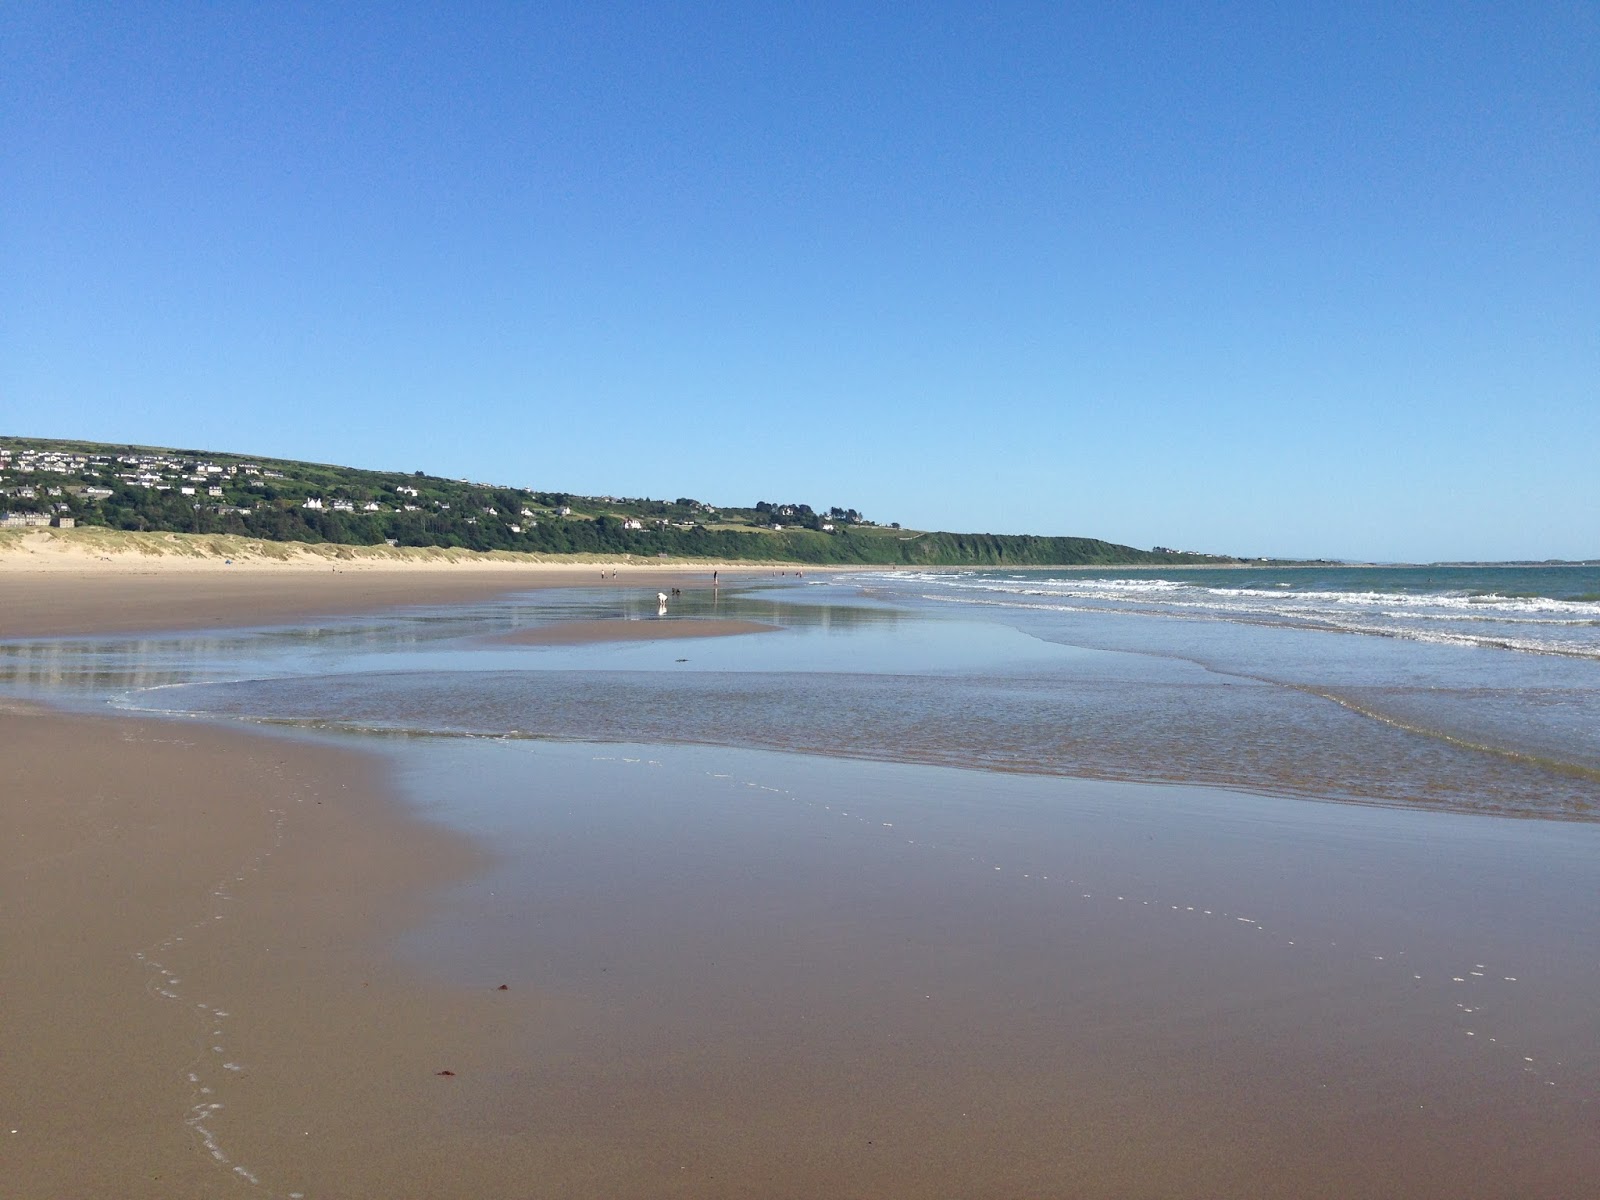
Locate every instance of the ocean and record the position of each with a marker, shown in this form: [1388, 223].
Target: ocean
[1545, 609]
[1473, 689]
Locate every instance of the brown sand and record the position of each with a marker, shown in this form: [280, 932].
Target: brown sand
[775, 1011]
[168, 597]
[574, 633]
[277, 865]
[158, 874]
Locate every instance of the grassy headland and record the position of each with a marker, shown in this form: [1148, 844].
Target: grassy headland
[143, 490]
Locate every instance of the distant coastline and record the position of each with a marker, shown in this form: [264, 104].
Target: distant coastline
[58, 483]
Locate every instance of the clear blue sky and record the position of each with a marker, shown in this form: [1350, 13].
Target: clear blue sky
[1299, 279]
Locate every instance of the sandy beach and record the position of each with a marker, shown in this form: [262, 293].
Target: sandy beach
[92, 581]
[240, 964]
[63, 604]
[180, 897]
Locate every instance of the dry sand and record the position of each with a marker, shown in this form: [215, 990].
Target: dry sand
[39, 551]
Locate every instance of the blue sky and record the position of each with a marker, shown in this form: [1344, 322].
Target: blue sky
[1313, 279]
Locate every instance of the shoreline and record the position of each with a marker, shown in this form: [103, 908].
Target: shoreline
[188, 893]
[212, 917]
[684, 955]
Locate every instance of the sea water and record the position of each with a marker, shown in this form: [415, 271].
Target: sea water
[1499, 662]
[1471, 689]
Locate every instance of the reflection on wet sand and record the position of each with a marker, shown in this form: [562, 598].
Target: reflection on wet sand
[913, 981]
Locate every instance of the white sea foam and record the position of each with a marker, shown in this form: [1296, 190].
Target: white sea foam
[1531, 624]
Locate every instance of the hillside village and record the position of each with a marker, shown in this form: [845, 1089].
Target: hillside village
[46, 486]
[64, 484]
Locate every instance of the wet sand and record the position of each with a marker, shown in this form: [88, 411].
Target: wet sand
[734, 974]
[804, 977]
[196, 917]
[170, 597]
[579, 633]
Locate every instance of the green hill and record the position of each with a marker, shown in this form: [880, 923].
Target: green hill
[147, 488]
